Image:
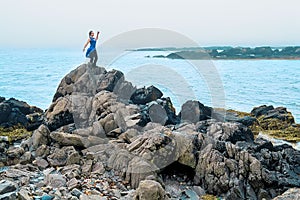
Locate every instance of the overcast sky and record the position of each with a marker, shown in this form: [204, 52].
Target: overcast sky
[65, 23]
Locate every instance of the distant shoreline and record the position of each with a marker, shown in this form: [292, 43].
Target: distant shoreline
[229, 53]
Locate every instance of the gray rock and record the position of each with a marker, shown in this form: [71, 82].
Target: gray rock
[41, 163]
[98, 168]
[7, 186]
[91, 197]
[73, 183]
[42, 151]
[194, 111]
[71, 171]
[149, 189]
[23, 195]
[8, 196]
[56, 180]
[138, 170]
[146, 95]
[87, 167]
[76, 192]
[290, 194]
[40, 136]
[64, 156]
[15, 152]
[67, 139]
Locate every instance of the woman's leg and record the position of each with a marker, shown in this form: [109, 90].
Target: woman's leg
[95, 58]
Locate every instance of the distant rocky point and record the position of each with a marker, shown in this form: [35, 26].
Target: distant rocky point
[196, 53]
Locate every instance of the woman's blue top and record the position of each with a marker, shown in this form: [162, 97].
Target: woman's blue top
[92, 46]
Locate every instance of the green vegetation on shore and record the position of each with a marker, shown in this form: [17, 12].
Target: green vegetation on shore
[15, 133]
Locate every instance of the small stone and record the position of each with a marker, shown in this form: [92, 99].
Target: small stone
[7, 186]
[73, 183]
[47, 197]
[75, 192]
[23, 195]
[41, 163]
[56, 180]
[8, 196]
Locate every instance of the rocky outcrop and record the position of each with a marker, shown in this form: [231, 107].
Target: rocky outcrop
[235, 53]
[18, 113]
[276, 122]
[98, 142]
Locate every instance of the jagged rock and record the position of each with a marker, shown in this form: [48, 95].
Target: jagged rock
[194, 111]
[160, 111]
[55, 180]
[228, 131]
[7, 186]
[91, 197]
[138, 170]
[59, 113]
[8, 196]
[186, 148]
[73, 183]
[119, 161]
[83, 79]
[42, 151]
[40, 136]
[110, 80]
[124, 90]
[13, 112]
[98, 168]
[87, 167]
[71, 171]
[149, 189]
[67, 139]
[64, 156]
[155, 147]
[5, 111]
[261, 110]
[290, 194]
[146, 95]
[23, 195]
[15, 152]
[41, 163]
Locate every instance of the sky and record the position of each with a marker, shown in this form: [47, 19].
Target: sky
[65, 23]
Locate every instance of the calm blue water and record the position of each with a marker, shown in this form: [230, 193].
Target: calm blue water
[33, 75]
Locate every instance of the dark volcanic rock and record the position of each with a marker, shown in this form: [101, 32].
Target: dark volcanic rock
[146, 95]
[14, 112]
[261, 110]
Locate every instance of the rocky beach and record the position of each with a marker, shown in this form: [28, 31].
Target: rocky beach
[103, 138]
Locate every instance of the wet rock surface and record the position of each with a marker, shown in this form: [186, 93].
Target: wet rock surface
[94, 144]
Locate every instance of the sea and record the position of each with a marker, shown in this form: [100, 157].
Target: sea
[33, 75]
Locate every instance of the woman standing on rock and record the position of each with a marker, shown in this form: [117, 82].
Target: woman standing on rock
[91, 51]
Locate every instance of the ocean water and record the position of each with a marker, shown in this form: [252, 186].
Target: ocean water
[32, 75]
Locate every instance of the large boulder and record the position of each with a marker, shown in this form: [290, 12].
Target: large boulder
[194, 111]
[83, 79]
[40, 136]
[64, 156]
[149, 189]
[67, 139]
[146, 95]
[14, 112]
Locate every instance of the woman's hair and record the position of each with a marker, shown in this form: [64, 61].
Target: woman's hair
[90, 33]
